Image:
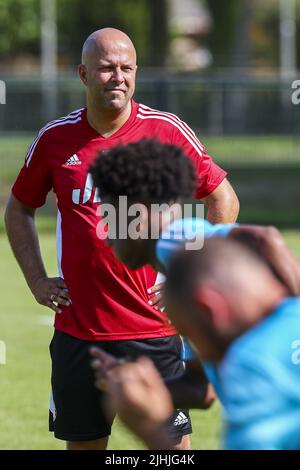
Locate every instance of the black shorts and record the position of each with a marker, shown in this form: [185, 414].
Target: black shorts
[75, 403]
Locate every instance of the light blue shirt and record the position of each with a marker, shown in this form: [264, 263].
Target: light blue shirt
[258, 381]
[183, 230]
[173, 238]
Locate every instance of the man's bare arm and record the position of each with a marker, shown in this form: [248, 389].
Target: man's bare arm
[23, 238]
[188, 389]
[223, 204]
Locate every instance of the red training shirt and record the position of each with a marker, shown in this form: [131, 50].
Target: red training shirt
[109, 300]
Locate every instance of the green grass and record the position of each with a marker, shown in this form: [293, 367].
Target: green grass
[254, 150]
[25, 379]
[256, 165]
[278, 150]
[12, 153]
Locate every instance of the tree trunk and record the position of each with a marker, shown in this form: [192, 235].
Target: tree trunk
[242, 46]
[158, 32]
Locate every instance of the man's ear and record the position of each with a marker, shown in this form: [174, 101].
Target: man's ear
[213, 303]
[82, 73]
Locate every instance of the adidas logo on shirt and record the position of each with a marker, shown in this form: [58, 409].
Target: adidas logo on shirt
[74, 160]
[181, 419]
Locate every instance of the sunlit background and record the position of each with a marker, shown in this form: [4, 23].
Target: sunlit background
[225, 67]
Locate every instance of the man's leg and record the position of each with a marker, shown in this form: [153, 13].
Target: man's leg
[180, 429]
[166, 354]
[98, 444]
[185, 443]
[76, 407]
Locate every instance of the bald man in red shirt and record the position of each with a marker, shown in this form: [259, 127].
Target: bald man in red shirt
[98, 300]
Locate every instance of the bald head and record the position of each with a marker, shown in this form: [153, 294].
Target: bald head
[104, 40]
[217, 293]
[108, 71]
[226, 264]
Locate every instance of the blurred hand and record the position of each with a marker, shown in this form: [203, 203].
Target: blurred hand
[51, 292]
[141, 399]
[102, 364]
[157, 300]
[137, 394]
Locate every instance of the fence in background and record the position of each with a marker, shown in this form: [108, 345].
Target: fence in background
[249, 126]
[212, 105]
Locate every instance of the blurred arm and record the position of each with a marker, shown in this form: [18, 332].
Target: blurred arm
[136, 392]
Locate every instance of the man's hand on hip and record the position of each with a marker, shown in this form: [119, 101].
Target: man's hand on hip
[157, 300]
[51, 292]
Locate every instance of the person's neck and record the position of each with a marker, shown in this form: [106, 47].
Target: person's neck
[268, 304]
[263, 310]
[107, 122]
[267, 309]
[263, 307]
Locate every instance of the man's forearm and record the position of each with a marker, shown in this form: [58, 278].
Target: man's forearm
[23, 238]
[222, 204]
[222, 212]
[155, 437]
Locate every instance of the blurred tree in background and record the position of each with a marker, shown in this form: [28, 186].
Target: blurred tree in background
[78, 18]
[158, 33]
[20, 27]
[225, 17]
[144, 20]
[246, 33]
[243, 32]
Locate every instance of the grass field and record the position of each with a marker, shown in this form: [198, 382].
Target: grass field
[24, 380]
[26, 327]
[254, 150]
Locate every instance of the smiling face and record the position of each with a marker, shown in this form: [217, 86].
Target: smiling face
[108, 69]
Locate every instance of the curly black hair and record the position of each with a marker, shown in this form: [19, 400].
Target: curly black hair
[145, 171]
